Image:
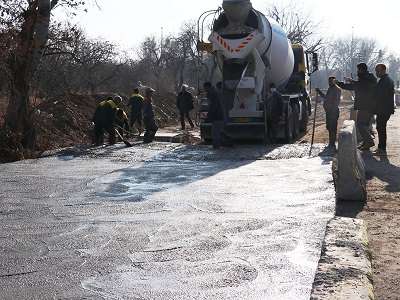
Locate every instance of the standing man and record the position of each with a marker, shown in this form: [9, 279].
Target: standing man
[215, 114]
[384, 105]
[331, 107]
[148, 117]
[364, 89]
[104, 118]
[184, 103]
[136, 104]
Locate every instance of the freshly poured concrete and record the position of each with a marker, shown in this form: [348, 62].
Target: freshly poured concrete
[164, 222]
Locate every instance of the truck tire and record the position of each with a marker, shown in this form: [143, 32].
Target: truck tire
[296, 121]
[305, 117]
[289, 126]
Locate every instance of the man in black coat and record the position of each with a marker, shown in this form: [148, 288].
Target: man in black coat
[365, 102]
[215, 114]
[384, 106]
[184, 102]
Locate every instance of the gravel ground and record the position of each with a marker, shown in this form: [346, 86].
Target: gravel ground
[382, 215]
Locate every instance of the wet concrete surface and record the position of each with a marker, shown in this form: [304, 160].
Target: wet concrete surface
[164, 221]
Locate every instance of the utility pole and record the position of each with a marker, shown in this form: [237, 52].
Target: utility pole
[352, 52]
[161, 41]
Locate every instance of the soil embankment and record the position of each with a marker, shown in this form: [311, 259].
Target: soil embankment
[66, 121]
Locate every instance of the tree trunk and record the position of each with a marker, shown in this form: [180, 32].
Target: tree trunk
[31, 42]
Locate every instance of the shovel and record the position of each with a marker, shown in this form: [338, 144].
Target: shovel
[127, 131]
[124, 140]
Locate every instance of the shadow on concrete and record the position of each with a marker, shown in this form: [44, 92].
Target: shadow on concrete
[380, 167]
[179, 167]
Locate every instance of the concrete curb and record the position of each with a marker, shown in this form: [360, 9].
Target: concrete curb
[351, 178]
[344, 270]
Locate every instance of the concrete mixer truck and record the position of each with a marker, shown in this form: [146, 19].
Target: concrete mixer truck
[263, 77]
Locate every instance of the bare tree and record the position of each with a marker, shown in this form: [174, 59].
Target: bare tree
[299, 25]
[342, 55]
[394, 67]
[27, 23]
[171, 61]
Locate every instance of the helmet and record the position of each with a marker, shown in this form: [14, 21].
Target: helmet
[117, 99]
[149, 90]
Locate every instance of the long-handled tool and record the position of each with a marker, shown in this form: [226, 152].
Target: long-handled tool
[314, 124]
[129, 132]
[124, 140]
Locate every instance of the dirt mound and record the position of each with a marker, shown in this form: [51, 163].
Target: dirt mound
[66, 121]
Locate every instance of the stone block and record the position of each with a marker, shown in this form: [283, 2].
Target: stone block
[351, 179]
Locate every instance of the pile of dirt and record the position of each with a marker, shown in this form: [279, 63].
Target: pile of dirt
[66, 121]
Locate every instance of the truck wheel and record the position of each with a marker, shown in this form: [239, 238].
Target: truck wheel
[305, 118]
[289, 128]
[296, 121]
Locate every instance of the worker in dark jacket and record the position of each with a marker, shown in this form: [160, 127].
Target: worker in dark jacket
[122, 122]
[136, 104]
[365, 102]
[104, 118]
[184, 103]
[331, 106]
[148, 117]
[384, 106]
[215, 114]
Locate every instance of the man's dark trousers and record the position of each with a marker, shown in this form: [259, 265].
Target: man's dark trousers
[363, 121]
[99, 129]
[216, 132]
[186, 115]
[331, 125]
[381, 124]
[151, 129]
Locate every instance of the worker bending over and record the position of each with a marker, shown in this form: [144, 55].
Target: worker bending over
[104, 118]
[122, 122]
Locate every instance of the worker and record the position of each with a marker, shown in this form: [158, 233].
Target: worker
[148, 117]
[331, 106]
[184, 103]
[364, 89]
[384, 106]
[122, 122]
[104, 118]
[136, 104]
[215, 114]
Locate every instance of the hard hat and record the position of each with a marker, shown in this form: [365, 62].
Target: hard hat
[117, 99]
[150, 90]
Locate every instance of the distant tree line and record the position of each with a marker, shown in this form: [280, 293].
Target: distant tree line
[41, 58]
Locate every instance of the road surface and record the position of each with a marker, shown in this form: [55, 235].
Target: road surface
[164, 221]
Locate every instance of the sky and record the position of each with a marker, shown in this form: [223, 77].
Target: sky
[128, 22]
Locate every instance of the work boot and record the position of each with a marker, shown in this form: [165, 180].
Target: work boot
[379, 152]
[332, 146]
[366, 146]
